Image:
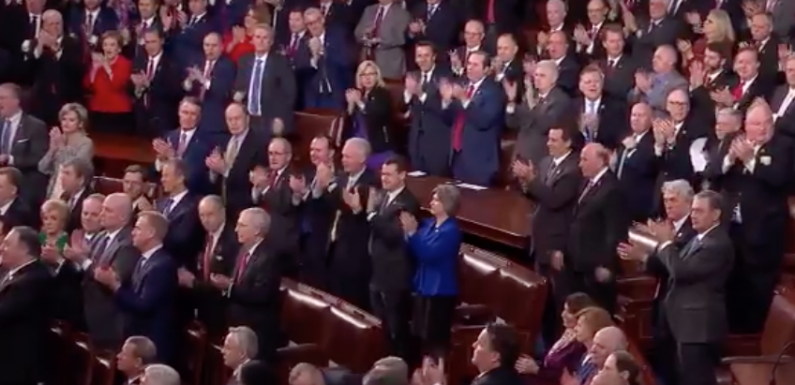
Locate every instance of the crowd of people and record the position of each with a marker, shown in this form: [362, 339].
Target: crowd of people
[673, 118]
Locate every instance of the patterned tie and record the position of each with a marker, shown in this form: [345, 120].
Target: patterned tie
[379, 17]
[150, 68]
[208, 71]
[231, 151]
[737, 92]
[183, 144]
[293, 45]
[89, 24]
[254, 107]
[99, 251]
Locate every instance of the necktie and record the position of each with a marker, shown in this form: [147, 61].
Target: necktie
[585, 191]
[624, 155]
[5, 139]
[431, 11]
[241, 267]
[690, 247]
[737, 92]
[425, 78]
[231, 151]
[490, 12]
[553, 167]
[167, 207]
[150, 68]
[674, 7]
[208, 70]
[89, 24]
[293, 45]
[34, 25]
[207, 257]
[183, 144]
[379, 17]
[254, 107]
[99, 251]
[192, 21]
[771, 4]
[273, 177]
[324, 8]
[458, 128]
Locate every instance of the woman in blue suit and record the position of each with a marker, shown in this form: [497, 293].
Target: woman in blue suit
[435, 245]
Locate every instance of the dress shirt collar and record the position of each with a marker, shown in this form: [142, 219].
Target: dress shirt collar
[597, 27]
[148, 22]
[473, 49]
[217, 233]
[239, 367]
[391, 195]
[188, 135]
[15, 119]
[177, 198]
[112, 235]
[596, 103]
[263, 58]
[556, 161]
[747, 84]
[559, 60]
[354, 178]
[557, 28]
[94, 14]
[16, 270]
[680, 222]
[704, 234]
[476, 85]
[384, 8]
[714, 75]
[253, 248]
[4, 208]
[599, 176]
[146, 255]
[429, 73]
[763, 43]
[156, 58]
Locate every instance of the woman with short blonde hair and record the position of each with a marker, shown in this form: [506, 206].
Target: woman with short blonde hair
[54, 216]
[370, 112]
[67, 142]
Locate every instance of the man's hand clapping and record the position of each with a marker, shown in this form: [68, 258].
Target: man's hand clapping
[215, 162]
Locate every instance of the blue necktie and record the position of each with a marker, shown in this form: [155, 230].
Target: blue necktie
[5, 139]
[256, 89]
[167, 207]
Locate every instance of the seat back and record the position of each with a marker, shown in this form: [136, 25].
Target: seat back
[107, 185]
[476, 277]
[82, 360]
[314, 122]
[104, 369]
[195, 354]
[780, 325]
[303, 314]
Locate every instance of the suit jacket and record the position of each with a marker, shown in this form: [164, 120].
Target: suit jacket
[695, 302]
[389, 52]
[636, 170]
[254, 298]
[513, 72]
[147, 302]
[620, 78]
[76, 212]
[650, 36]
[68, 295]
[185, 43]
[435, 249]
[783, 22]
[502, 375]
[327, 80]
[429, 132]
[156, 105]
[760, 87]
[197, 150]
[209, 302]
[30, 144]
[390, 254]
[19, 214]
[656, 268]
[58, 78]
[236, 185]
[441, 28]
[216, 98]
[533, 124]
[701, 100]
[104, 320]
[569, 74]
[377, 117]
[277, 200]
[106, 20]
[785, 122]
[183, 229]
[25, 321]
[612, 123]
[278, 90]
[555, 189]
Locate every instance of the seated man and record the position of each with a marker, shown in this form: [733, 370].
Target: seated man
[135, 355]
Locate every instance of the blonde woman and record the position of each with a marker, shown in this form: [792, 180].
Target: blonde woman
[370, 113]
[53, 235]
[717, 28]
[67, 142]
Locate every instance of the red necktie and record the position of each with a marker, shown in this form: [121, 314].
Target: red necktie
[150, 69]
[737, 92]
[379, 17]
[273, 176]
[460, 120]
[490, 13]
[241, 267]
[293, 45]
[207, 257]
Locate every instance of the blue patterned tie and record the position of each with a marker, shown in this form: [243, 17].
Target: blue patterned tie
[256, 89]
[167, 207]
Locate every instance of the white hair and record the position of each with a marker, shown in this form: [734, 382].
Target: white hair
[557, 3]
[360, 143]
[246, 338]
[549, 66]
[261, 218]
[159, 374]
[679, 187]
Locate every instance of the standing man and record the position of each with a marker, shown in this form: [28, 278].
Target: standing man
[24, 320]
[694, 306]
[382, 32]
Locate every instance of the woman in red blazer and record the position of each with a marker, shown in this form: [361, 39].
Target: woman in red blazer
[238, 42]
[107, 82]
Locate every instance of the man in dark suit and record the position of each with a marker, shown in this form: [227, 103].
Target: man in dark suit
[186, 32]
[474, 33]
[148, 18]
[23, 21]
[558, 50]
[601, 118]
[553, 184]
[147, 301]
[112, 248]
[217, 257]
[135, 355]
[253, 290]
[436, 22]
[24, 142]
[67, 297]
[673, 138]
[278, 192]
[429, 133]
[694, 305]
[390, 257]
[210, 79]
[588, 41]
[708, 76]
[765, 43]
[660, 29]
[537, 110]
[588, 260]
[618, 67]
[178, 206]
[781, 102]
[477, 111]
[340, 16]
[754, 173]
[506, 65]
[231, 163]
[325, 64]
[349, 233]
[24, 289]
[14, 211]
[156, 87]
[750, 84]
[90, 21]
[636, 165]
[189, 145]
[498, 17]
[266, 84]
[75, 176]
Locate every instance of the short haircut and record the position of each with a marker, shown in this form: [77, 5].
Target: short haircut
[399, 161]
[136, 169]
[260, 216]
[16, 91]
[192, 100]
[713, 198]
[426, 44]
[143, 348]
[504, 340]
[625, 362]
[395, 364]
[578, 301]
[158, 222]
[30, 239]
[381, 375]
[595, 318]
[13, 175]
[450, 197]
[58, 206]
[256, 372]
[77, 109]
[83, 168]
[216, 200]
[329, 141]
[680, 187]
[484, 55]
[152, 30]
[592, 69]
[179, 165]
[161, 374]
[723, 49]
[749, 49]
[305, 369]
[246, 338]
[612, 28]
[361, 143]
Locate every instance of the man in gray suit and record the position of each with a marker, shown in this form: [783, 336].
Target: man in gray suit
[695, 301]
[110, 248]
[24, 140]
[382, 32]
[539, 110]
[783, 12]
[654, 87]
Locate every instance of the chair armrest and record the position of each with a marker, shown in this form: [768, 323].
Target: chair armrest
[473, 314]
[763, 360]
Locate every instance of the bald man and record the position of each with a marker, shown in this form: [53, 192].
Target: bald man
[653, 86]
[753, 173]
[589, 260]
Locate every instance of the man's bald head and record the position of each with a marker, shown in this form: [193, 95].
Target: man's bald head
[116, 211]
[594, 157]
[606, 341]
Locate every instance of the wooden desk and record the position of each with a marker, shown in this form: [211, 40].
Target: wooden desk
[498, 215]
[113, 153]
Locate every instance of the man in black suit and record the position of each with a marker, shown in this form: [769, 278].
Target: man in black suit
[230, 165]
[179, 205]
[266, 84]
[660, 29]
[24, 289]
[241, 345]
[25, 140]
[588, 260]
[694, 306]
[781, 103]
[67, 304]
[437, 22]
[754, 173]
[601, 118]
[390, 282]
[559, 51]
[75, 175]
[618, 66]
[751, 83]
[765, 43]
[554, 185]
[217, 257]
[14, 211]
[506, 66]
[636, 165]
[253, 290]
[134, 356]
[347, 196]
[673, 138]
[498, 16]
[156, 82]
[709, 75]
[587, 41]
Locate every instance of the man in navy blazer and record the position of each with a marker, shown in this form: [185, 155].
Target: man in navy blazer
[435, 21]
[328, 60]
[147, 302]
[476, 112]
[210, 79]
[187, 143]
[156, 87]
[89, 22]
[180, 207]
[186, 33]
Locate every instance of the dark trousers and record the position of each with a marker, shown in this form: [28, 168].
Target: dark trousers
[394, 310]
[696, 363]
[663, 355]
[432, 318]
[604, 293]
